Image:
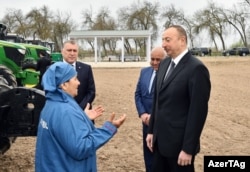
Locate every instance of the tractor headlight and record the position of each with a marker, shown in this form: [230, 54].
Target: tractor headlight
[22, 51]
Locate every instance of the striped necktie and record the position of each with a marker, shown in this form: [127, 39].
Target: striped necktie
[151, 81]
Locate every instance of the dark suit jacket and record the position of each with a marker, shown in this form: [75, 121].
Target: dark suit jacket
[86, 89]
[180, 106]
[42, 64]
[144, 98]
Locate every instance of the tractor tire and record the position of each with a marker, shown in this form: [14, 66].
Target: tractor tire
[7, 78]
[7, 81]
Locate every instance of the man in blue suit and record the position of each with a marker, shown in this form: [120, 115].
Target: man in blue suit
[144, 97]
[86, 89]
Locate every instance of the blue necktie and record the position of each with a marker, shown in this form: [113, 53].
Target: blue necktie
[151, 81]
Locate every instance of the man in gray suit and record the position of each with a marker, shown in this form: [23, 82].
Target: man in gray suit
[180, 106]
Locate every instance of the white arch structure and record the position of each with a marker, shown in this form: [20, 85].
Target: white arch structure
[81, 34]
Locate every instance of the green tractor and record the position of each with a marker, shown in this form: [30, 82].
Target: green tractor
[32, 50]
[55, 56]
[12, 56]
[20, 105]
[32, 55]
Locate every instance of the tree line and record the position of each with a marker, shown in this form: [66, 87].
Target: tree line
[213, 22]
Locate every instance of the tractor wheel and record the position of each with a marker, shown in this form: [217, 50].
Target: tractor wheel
[7, 81]
[7, 78]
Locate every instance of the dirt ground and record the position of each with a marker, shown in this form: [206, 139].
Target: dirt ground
[227, 129]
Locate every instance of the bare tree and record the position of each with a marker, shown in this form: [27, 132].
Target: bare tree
[87, 24]
[88, 19]
[238, 19]
[139, 17]
[16, 22]
[105, 22]
[61, 27]
[189, 25]
[102, 21]
[171, 16]
[246, 2]
[215, 22]
[211, 20]
[40, 22]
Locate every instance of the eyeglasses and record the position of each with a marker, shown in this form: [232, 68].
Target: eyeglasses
[155, 59]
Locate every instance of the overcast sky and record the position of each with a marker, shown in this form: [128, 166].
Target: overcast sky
[75, 7]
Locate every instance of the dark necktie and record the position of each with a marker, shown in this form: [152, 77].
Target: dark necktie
[170, 70]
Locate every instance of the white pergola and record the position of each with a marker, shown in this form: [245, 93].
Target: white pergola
[83, 34]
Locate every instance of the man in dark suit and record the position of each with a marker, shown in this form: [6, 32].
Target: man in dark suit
[86, 89]
[42, 64]
[144, 98]
[180, 106]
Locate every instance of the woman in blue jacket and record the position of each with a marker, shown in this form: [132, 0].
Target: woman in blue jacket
[67, 140]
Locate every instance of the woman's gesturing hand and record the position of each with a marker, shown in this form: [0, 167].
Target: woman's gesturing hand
[117, 122]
